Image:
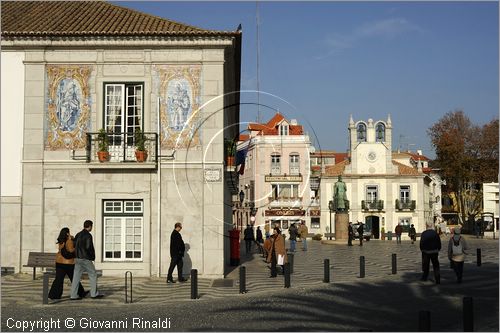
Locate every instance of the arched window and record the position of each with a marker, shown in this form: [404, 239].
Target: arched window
[361, 131]
[380, 132]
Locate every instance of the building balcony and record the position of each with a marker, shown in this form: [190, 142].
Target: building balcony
[372, 205]
[121, 149]
[275, 170]
[294, 202]
[406, 204]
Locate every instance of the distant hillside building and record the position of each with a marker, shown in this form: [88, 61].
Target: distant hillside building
[72, 68]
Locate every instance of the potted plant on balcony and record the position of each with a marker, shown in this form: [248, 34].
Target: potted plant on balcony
[230, 151]
[141, 154]
[103, 146]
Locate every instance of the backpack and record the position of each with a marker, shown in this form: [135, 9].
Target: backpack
[66, 254]
[457, 246]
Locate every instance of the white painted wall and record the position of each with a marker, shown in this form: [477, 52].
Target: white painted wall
[12, 107]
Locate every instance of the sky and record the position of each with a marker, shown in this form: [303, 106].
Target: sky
[320, 62]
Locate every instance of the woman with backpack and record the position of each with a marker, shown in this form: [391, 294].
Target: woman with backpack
[456, 253]
[65, 265]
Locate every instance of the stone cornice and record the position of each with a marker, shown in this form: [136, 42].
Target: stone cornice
[150, 42]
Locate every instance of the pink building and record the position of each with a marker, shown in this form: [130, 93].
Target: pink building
[274, 187]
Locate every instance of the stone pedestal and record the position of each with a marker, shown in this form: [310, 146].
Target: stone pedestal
[341, 225]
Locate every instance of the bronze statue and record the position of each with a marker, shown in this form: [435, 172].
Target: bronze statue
[339, 197]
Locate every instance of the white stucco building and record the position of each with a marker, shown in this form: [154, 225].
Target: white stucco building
[383, 188]
[116, 69]
[491, 203]
[275, 181]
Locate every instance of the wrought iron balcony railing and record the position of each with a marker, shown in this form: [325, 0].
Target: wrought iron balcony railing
[372, 205]
[405, 204]
[285, 202]
[121, 147]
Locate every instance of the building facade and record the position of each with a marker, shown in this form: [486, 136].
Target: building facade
[275, 181]
[491, 207]
[119, 81]
[383, 188]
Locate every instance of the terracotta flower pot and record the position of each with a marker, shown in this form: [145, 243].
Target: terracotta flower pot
[141, 155]
[103, 156]
[230, 161]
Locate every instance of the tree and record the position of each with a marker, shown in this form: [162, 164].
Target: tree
[467, 155]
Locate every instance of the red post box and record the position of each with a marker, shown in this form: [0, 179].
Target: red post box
[234, 238]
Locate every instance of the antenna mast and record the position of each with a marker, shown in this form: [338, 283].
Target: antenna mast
[257, 19]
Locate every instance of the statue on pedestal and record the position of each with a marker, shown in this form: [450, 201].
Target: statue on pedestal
[340, 201]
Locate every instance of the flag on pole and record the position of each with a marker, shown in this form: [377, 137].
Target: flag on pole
[241, 157]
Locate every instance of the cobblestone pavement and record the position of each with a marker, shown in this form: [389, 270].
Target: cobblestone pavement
[379, 290]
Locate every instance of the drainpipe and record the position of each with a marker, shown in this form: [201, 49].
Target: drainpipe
[158, 184]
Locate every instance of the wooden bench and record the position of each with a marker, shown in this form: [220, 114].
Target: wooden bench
[41, 259]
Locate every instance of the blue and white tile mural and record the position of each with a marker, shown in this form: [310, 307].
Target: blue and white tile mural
[179, 88]
[68, 106]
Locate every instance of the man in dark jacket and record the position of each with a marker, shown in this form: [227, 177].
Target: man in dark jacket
[430, 245]
[249, 238]
[85, 255]
[177, 249]
[350, 234]
[360, 233]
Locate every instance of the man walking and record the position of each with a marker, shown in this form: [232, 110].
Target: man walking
[293, 236]
[398, 231]
[304, 232]
[249, 238]
[430, 245]
[350, 234]
[360, 233]
[177, 249]
[85, 255]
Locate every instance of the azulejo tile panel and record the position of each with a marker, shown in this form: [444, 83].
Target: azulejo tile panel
[67, 106]
[179, 88]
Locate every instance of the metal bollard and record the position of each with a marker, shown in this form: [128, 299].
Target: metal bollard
[424, 321]
[394, 264]
[287, 275]
[45, 293]
[478, 253]
[362, 266]
[468, 314]
[128, 273]
[243, 280]
[290, 261]
[194, 284]
[326, 278]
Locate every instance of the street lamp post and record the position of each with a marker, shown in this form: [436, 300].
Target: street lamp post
[242, 198]
[331, 207]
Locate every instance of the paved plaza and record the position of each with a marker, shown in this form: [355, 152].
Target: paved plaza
[379, 302]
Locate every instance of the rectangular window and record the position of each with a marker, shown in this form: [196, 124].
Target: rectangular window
[283, 130]
[275, 164]
[404, 193]
[294, 165]
[123, 230]
[315, 223]
[281, 191]
[123, 113]
[405, 223]
[371, 193]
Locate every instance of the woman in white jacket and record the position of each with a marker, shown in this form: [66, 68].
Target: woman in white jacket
[456, 253]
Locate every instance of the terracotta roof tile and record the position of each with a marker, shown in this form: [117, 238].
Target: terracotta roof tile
[244, 137]
[337, 169]
[271, 127]
[405, 170]
[87, 18]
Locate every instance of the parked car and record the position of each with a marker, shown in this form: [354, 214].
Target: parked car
[367, 233]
